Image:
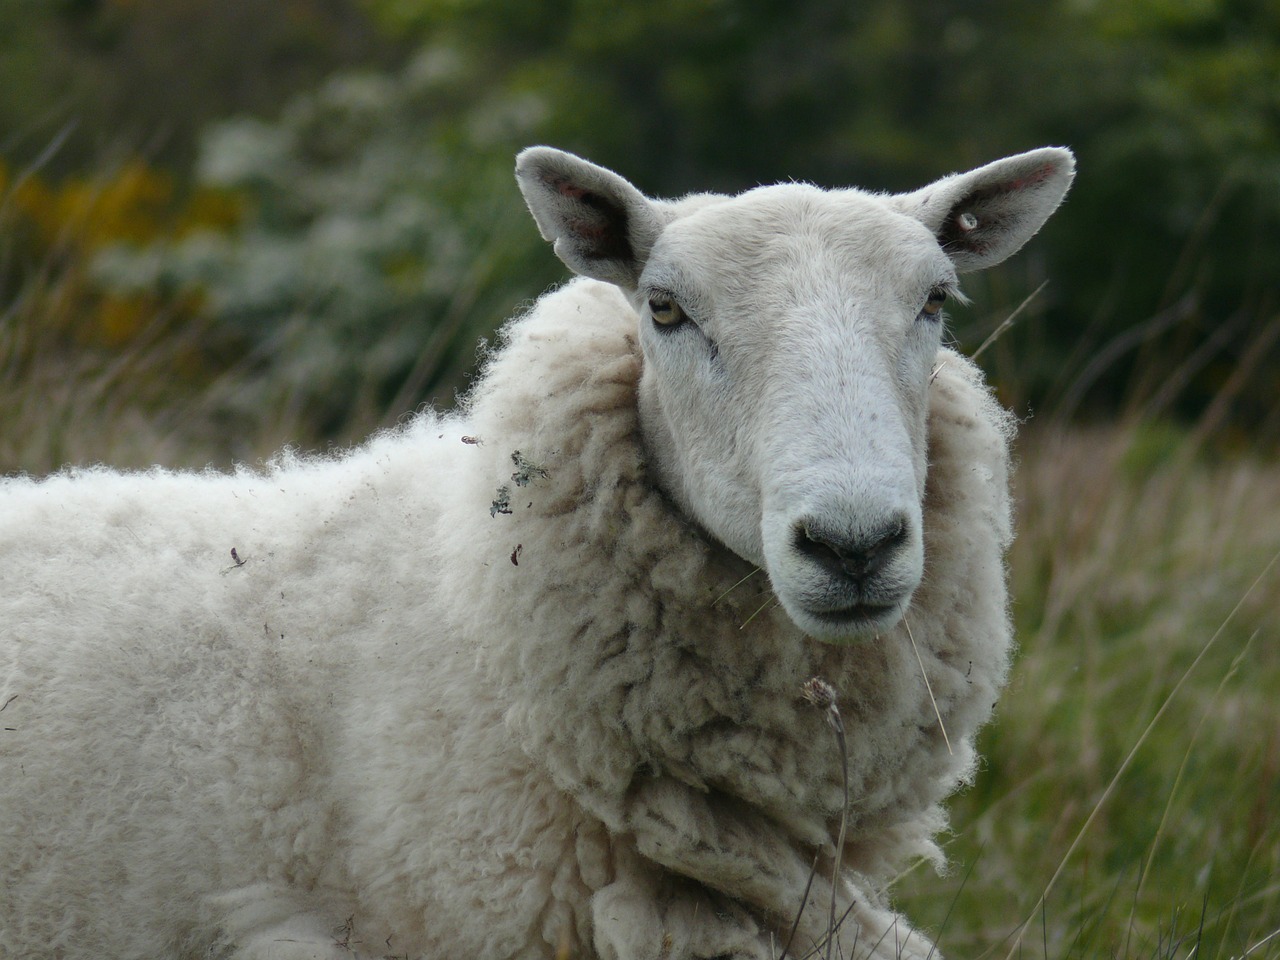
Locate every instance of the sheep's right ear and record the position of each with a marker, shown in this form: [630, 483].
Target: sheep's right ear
[600, 225]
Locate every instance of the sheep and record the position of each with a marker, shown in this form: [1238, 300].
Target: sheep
[559, 674]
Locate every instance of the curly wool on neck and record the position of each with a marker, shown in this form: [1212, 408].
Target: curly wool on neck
[621, 642]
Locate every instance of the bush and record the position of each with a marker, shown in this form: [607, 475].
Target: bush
[383, 235]
[87, 374]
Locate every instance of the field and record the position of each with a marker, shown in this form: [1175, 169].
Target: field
[1129, 805]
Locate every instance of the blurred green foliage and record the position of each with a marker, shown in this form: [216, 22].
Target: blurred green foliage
[112, 77]
[56, 230]
[1171, 237]
[371, 258]
[381, 233]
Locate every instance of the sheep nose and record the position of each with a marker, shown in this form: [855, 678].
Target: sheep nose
[854, 556]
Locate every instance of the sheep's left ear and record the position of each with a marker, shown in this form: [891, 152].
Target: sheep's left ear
[601, 226]
[987, 214]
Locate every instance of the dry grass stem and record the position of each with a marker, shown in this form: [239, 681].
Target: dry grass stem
[821, 694]
[735, 586]
[804, 900]
[999, 331]
[1186, 758]
[928, 686]
[1261, 943]
[759, 610]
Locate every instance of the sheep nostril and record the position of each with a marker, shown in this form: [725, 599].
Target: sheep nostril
[817, 547]
[856, 557]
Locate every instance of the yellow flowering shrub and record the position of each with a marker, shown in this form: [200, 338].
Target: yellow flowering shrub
[53, 230]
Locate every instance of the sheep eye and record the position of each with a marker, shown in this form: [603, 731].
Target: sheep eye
[666, 312]
[933, 306]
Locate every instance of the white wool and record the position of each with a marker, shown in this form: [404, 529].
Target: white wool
[485, 686]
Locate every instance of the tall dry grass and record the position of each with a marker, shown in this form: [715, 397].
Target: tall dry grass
[1145, 588]
[90, 375]
[66, 401]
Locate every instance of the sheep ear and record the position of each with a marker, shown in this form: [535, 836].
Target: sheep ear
[600, 225]
[984, 216]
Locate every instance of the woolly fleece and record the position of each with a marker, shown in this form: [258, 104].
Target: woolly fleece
[408, 724]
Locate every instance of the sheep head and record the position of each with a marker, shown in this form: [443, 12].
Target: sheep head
[789, 335]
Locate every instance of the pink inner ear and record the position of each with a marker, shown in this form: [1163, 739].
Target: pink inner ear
[584, 228]
[1035, 176]
[568, 189]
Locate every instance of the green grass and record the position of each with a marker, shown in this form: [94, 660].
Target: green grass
[1129, 802]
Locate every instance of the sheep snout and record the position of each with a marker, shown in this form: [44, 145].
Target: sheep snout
[841, 576]
[857, 557]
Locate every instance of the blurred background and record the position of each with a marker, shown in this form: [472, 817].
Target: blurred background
[227, 225]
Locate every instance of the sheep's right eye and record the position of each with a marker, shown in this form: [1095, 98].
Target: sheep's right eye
[666, 312]
[933, 306]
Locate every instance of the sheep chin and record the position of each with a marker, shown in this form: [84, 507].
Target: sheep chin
[850, 626]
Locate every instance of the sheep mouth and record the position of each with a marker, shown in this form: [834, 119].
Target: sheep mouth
[855, 620]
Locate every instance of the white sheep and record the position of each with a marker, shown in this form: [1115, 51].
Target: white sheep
[528, 681]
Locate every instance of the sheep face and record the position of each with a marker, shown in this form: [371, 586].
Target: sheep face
[789, 336]
[784, 402]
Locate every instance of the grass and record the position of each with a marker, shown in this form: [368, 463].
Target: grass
[1145, 588]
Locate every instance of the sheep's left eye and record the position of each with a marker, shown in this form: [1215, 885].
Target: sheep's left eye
[933, 306]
